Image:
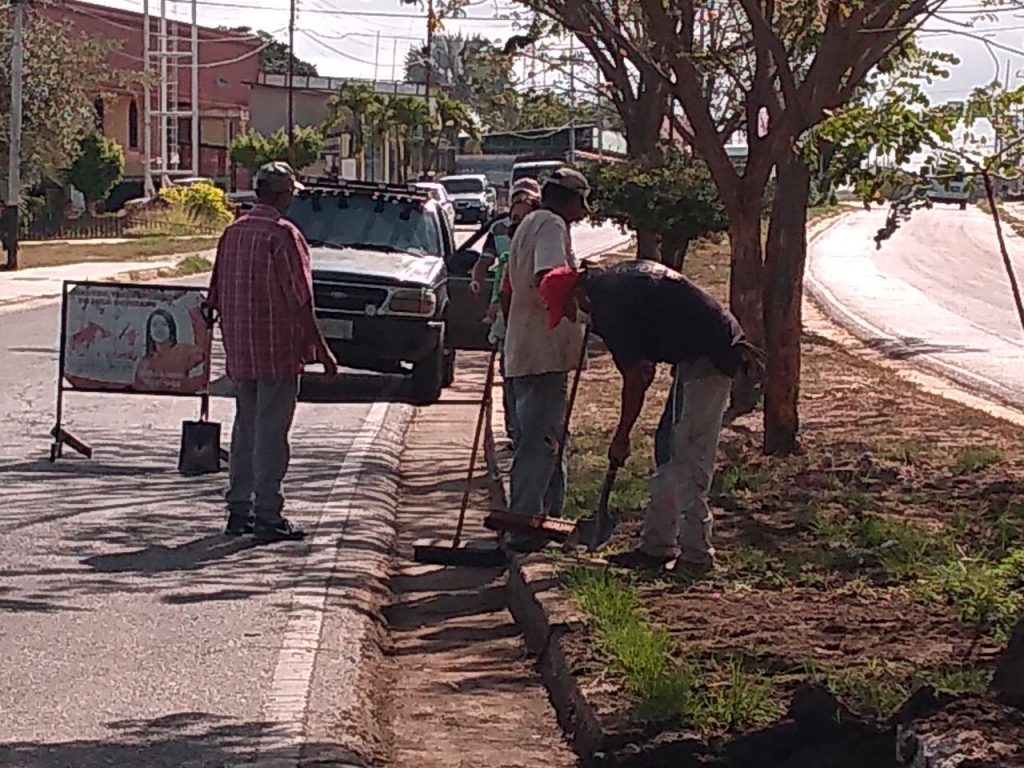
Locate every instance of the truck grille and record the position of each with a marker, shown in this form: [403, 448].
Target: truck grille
[347, 298]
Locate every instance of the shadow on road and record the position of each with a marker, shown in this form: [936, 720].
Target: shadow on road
[180, 739]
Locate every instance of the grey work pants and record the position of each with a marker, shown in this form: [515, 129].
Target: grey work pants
[678, 512]
[259, 447]
[538, 477]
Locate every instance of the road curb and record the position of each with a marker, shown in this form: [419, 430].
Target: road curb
[543, 623]
[934, 376]
[351, 550]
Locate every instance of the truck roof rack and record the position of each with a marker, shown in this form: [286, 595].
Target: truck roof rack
[378, 187]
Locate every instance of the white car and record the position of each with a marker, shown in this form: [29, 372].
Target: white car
[440, 195]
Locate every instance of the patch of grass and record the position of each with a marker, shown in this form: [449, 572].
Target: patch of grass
[985, 595]
[878, 688]
[660, 688]
[193, 265]
[742, 477]
[900, 549]
[746, 563]
[902, 453]
[976, 458]
[739, 700]
[664, 685]
[59, 254]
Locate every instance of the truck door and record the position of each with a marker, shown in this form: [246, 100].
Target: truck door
[464, 319]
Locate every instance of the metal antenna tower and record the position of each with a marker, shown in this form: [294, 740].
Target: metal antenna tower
[166, 52]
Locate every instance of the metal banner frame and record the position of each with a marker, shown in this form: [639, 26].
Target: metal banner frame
[61, 436]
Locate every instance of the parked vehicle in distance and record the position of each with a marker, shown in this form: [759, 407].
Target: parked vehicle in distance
[474, 198]
[538, 170]
[945, 189]
[389, 291]
[440, 196]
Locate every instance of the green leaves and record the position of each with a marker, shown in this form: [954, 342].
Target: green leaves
[676, 200]
[64, 72]
[251, 150]
[99, 167]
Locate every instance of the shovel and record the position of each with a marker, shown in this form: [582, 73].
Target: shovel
[594, 532]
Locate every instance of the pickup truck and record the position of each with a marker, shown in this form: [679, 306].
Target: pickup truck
[390, 287]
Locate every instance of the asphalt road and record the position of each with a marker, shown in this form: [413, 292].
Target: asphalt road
[936, 293]
[133, 632]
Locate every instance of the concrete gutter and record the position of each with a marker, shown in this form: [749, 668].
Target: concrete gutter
[352, 546]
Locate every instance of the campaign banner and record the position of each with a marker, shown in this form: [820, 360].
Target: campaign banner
[145, 339]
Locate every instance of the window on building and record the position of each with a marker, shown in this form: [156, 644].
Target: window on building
[97, 106]
[133, 125]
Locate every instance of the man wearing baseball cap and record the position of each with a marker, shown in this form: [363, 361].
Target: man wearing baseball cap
[262, 289]
[538, 358]
[647, 314]
[524, 199]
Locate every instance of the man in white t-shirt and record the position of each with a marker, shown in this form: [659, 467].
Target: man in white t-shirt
[538, 359]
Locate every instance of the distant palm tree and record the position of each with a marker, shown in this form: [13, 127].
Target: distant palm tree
[412, 120]
[354, 106]
[452, 118]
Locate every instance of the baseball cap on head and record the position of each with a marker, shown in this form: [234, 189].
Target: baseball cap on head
[525, 189]
[570, 179]
[277, 177]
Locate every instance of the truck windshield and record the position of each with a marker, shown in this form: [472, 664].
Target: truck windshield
[463, 186]
[538, 172]
[401, 226]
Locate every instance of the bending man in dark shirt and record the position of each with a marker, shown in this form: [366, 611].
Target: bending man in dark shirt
[648, 314]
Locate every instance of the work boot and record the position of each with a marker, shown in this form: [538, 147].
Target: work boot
[282, 530]
[638, 560]
[240, 525]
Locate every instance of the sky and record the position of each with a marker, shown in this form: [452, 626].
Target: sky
[370, 38]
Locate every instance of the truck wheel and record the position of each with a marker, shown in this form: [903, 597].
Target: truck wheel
[449, 368]
[428, 378]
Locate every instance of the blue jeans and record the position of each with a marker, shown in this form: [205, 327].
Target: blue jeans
[538, 478]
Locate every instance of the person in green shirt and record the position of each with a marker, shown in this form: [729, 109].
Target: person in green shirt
[524, 199]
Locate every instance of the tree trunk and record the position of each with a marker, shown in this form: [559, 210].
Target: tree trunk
[745, 288]
[642, 123]
[785, 256]
[673, 251]
[646, 245]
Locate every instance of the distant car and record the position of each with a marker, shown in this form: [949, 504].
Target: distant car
[955, 190]
[191, 181]
[473, 196]
[440, 196]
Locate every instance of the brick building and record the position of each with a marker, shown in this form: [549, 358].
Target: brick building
[228, 64]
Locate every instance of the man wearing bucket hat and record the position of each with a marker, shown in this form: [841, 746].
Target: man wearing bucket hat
[647, 314]
[524, 199]
[262, 289]
[538, 359]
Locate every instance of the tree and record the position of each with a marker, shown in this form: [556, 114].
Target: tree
[470, 69]
[411, 120]
[274, 55]
[677, 201]
[452, 118]
[353, 107]
[780, 69]
[98, 168]
[64, 72]
[253, 149]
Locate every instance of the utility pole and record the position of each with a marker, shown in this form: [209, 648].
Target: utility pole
[376, 60]
[430, 48]
[291, 84]
[148, 187]
[12, 211]
[572, 99]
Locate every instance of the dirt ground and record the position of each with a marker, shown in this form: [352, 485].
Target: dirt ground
[465, 691]
[888, 554]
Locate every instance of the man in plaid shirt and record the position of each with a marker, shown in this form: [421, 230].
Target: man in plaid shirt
[262, 289]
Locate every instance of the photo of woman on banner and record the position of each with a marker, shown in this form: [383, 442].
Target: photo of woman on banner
[169, 365]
